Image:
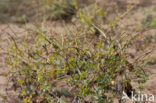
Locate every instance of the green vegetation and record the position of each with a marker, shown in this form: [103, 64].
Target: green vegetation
[91, 60]
[22, 11]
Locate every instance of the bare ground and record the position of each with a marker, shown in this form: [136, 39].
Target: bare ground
[12, 29]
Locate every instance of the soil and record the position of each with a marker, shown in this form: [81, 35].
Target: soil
[134, 18]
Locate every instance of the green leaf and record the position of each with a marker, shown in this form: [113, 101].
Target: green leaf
[28, 88]
[153, 23]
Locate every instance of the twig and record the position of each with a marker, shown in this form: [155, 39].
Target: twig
[13, 40]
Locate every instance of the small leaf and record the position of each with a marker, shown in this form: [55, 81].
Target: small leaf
[153, 23]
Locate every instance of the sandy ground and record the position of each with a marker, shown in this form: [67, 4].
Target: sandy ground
[150, 85]
[5, 85]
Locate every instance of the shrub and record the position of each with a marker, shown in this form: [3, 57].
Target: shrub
[59, 9]
[95, 67]
[22, 11]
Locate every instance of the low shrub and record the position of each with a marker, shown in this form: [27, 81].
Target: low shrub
[92, 68]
